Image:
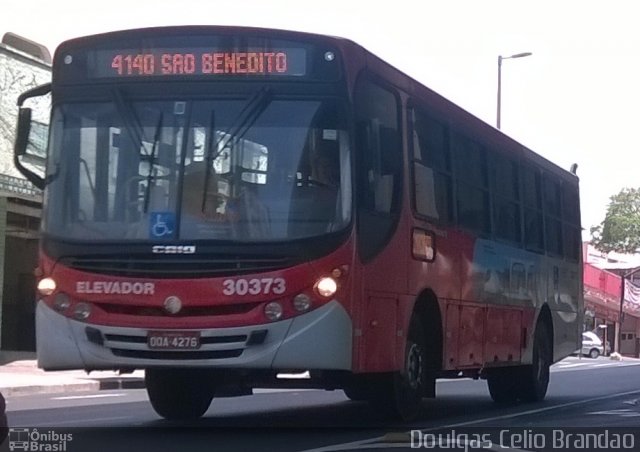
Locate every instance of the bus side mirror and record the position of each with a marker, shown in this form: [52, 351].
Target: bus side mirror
[22, 132]
[20, 147]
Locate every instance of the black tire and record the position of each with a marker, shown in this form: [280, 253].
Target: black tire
[504, 384]
[535, 378]
[4, 424]
[594, 353]
[400, 394]
[357, 393]
[180, 394]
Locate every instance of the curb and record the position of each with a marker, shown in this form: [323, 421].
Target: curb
[121, 383]
[88, 385]
[14, 391]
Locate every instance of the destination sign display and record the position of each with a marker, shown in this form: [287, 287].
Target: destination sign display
[199, 62]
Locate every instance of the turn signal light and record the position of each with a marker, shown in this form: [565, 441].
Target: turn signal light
[302, 302]
[273, 311]
[82, 311]
[61, 302]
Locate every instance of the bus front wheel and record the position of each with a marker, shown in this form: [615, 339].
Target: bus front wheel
[400, 394]
[179, 394]
[358, 390]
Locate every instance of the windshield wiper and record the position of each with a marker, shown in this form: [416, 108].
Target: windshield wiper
[209, 159]
[152, 162]
[249, 114]
[247, 117]
[131, 123]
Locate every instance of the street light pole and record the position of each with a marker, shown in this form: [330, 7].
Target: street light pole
[500, 58]
[499, 89]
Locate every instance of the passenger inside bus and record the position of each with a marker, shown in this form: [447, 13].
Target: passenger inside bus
[314, 203]
[200, 216]
[194, 193]
[325, 170]
[211, 214]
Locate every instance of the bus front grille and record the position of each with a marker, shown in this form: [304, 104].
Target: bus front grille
[187, 311]
[179, 266]
[177, 355]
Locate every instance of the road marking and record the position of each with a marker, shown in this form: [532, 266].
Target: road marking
[622, 413]
[94, 396]
[447, 444]
[568, 365]
[81, 422]
[371, 441]
[276, 390]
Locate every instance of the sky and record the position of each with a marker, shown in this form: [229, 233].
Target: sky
[574, 100]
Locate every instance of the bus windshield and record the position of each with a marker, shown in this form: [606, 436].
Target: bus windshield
[254, 168]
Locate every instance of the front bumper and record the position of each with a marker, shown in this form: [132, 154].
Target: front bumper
[319, 340]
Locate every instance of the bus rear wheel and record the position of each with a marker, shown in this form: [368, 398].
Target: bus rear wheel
[504, 384]
[525, 383]
[535, 378]
[180, 394]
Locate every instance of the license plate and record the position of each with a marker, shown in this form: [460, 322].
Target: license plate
[173, 340]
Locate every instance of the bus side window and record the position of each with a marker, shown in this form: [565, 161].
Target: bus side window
[571, 222]
[472, 194]
[552, 214]
[379, 165]
[381, 169]
[432, 181]
[532, 203]
[503, 183]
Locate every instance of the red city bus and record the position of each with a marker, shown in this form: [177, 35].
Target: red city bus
[225, 205]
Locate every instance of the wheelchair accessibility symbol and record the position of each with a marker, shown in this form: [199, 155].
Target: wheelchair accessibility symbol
[162, 224]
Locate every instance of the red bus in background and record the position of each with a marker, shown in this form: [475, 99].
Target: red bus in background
[225, 205]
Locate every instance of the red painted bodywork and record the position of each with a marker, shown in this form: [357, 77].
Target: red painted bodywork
[379, 295]
[201, 293]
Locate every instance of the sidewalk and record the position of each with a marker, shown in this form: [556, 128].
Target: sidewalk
[19, 375]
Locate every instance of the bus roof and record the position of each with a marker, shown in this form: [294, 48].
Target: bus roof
[464, 121]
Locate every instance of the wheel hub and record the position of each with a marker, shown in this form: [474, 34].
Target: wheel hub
[414, 366]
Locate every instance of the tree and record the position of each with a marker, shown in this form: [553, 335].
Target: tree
[17, 74]
[620, 229]
[14, 79]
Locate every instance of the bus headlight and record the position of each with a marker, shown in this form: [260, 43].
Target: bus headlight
[326, 286]
[82, 311]
[61, 302]
[46, 286]
[302, 302]
[273, 311]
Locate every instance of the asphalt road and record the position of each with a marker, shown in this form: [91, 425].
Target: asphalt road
[582, 393]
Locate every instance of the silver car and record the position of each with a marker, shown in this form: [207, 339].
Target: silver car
[591, 345]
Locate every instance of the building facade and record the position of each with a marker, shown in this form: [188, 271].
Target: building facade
[23, 65]
[616, 319]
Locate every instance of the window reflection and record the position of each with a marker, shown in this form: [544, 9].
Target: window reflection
[122, 168]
